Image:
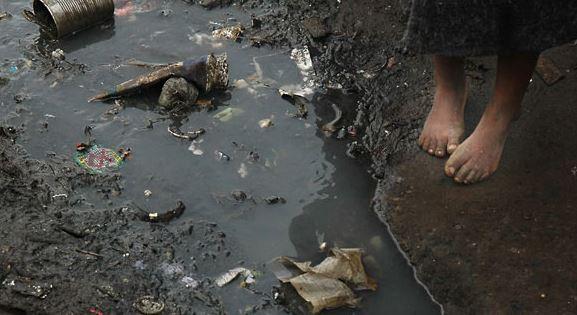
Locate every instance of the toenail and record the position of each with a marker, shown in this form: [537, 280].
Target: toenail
[430, 150]
[439, 152]
[451, 147]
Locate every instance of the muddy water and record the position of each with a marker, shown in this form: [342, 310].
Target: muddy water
[327, 194]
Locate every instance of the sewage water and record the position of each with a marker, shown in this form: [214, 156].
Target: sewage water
[328, 194]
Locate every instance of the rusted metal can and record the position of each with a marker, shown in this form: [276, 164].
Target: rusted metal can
[66, 17]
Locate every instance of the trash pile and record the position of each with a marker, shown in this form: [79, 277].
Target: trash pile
[330, 284]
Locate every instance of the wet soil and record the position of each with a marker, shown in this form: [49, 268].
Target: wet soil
[499, 247]
[74, 241]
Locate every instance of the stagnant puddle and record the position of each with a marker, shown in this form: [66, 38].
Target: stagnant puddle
[328, 194]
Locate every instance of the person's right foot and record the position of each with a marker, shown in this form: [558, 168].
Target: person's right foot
[445, 124]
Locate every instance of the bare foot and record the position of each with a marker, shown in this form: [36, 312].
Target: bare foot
[445, 124]
[478, 156]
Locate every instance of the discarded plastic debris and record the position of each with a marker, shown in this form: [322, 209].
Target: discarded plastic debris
[149, 305]
[232, 274]
[228, 113]
[325, 285]
[60, 18]
[147, 193]
[27, 287]
[243, 171]
[273, 200]
[331, 127]
[190, 282]
[265, 123]
[231, 32]
[221, 156]
[177, 92]
[194, 149]
[167, 216]
[5, 15]
[58, 54]
[299, 101]
[191, 135]
[239, 195]
[97, 159]
[208, 73]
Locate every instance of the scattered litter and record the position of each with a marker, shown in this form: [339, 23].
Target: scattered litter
[232, 274]
[177, 92]
[194, 149]
[231, 32]
[5, 15]
[190, 282]
[27, 287]
[13, 69]
[96, 311]
[391, 62]
[147, 193]
[243, 171]
[191, 135]
[60, 196]
[342, 133]
[325, 285]
[204, 103]
[299, 101]
[49, 116]
[207, 73]
[58, 54]
[149, 305]
[97, 159]
[548, 71]
[239, 195]
[331, 127]
[60, 18]
[221, 156]
[265, 123]
[167, 216]
[228, 113]
[125, 153]
[273, 200]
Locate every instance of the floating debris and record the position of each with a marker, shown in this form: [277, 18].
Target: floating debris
[228, 113]
[191, 135]
[97, 159]
[221, 156]
[232, 274]
[5, 15]
[299, 101]
[243, 171]
[231, 32]
[273, 200]
[194, 149]
[167, 216]
[265, 123]
[147, 193]
[208, 73]
[331, 127]
[149, 305]
[239, 195]
[58, 54]
[325, 285]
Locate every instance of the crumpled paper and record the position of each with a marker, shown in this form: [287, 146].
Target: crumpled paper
[329, 284]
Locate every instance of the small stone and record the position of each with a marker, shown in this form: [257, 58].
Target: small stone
[177, 92]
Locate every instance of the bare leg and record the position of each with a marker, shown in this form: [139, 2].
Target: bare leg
[479, 155]
[445, 125]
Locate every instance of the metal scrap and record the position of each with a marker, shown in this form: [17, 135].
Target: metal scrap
[191, 135]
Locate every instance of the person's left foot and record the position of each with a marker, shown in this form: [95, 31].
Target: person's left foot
[478, 156]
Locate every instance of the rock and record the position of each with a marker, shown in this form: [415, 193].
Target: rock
[211, 4]
[177, 92]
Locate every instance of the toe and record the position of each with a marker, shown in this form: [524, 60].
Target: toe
[432, 146]
[472, 177]
[462, 173]
[441, 149]
[452, 144]
[455, 162]
[425, 143]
